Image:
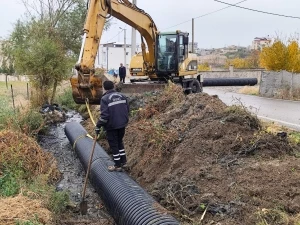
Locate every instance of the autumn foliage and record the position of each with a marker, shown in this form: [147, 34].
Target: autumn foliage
[281, 56]
[250, 62]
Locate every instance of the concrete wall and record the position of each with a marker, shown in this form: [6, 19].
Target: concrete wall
[233, 73]
[14, 78]
[273, 83]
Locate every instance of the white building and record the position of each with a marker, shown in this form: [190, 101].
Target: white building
[110, 55]
[260, 43]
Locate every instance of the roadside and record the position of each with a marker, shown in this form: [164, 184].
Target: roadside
[213, 161]
[283, 112]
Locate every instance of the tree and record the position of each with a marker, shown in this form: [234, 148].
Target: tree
[280, 56]
[48, 42]
[203, 67]
[274, 57]
[293, 57]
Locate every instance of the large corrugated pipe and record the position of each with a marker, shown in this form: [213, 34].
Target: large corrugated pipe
[126, 201]
[229, 81]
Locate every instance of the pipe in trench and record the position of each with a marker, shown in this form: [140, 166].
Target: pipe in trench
[126, 201]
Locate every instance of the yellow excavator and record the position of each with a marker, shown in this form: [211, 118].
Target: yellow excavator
[136, 68]
[165, 55]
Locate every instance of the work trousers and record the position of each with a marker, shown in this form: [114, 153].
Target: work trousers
[115, 141]
[122, 79]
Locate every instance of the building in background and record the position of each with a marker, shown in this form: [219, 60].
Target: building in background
[110, 55]
[196, 49]
[259, 43]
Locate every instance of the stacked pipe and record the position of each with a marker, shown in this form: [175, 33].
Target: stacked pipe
[126, 201]
[229, 81]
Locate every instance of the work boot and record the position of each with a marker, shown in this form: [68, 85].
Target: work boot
[115, 168]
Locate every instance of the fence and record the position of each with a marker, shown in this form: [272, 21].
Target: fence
[14, 78]
[234, 73]
[281, 84]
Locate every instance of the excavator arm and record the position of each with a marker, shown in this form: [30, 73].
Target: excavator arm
[86, 85]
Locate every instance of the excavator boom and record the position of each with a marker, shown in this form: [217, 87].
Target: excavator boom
[165, 55]
[86, 84]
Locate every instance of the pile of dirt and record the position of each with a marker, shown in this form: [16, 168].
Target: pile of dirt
[20, 149]
[21, 209]
[193, 152]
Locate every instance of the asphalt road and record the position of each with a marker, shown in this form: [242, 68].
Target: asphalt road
[283, 112]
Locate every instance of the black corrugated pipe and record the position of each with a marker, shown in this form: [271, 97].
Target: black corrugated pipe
[126, 201]
[229, 81]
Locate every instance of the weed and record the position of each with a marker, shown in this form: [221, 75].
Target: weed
[29, 121]
[249, 90]
[240, 115]
[58, 202]
[294, 137]
[66, 99]
[34, 221]
[10, 181]
[55, 201]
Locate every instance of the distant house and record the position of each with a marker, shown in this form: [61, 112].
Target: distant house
[259, 43]
[110, 55]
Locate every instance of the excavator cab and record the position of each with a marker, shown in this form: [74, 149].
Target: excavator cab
[171, 51]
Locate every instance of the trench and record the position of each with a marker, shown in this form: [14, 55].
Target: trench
[122, 200]
[56, 142]
[127, 202]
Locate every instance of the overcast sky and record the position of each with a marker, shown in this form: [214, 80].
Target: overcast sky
[232, 26]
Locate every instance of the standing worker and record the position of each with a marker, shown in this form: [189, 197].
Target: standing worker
[122, 73]
[114, 118]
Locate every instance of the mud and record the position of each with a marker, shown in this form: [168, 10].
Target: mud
[73, 176]
[209, 156]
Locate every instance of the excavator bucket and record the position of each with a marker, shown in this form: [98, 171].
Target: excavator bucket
[90, 90]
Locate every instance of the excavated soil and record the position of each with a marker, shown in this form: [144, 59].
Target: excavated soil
[194, 153]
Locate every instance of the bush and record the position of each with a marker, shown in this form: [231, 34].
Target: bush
[29, 122]
[66, 99]
[9, 183]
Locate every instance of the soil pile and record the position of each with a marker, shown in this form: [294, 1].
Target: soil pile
[195, 153]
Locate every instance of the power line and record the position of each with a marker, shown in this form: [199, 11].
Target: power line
[114, 36]
[206, 14]
[255, 10]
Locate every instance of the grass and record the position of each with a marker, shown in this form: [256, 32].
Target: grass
[33, 221]
[65, 99]
[249, 90]
[271, 127]
[54, 201]
[28, 121]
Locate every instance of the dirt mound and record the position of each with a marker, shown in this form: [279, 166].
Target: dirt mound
[23, 209]
[193, 152]
[19, 149]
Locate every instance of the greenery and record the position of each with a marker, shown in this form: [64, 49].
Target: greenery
[29, 121]
[55, 201]
[281, 56]
[249, 62]
[34, 221]
[9, 183]
[46, 44]
[203, 67]
[65, 99]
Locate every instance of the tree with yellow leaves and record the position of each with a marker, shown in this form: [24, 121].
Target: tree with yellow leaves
[250, 62]
[281, 57]
[203, 67]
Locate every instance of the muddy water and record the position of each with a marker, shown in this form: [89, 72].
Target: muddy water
[73, 176]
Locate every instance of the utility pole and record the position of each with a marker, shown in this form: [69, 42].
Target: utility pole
[125, 48]
[133, 36]
[193, 35]
[124, 45]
